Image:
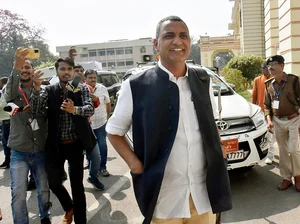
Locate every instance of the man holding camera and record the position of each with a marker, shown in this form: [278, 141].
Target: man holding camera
[67, 105]
[27, 141]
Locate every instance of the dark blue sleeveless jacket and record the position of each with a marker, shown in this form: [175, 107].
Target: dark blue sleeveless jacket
[82, 126]
[154, 126]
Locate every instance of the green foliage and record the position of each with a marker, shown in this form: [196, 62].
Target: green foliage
[249, 65]
[222, 58]
[234, 76]
[195, 51]
[16, 32]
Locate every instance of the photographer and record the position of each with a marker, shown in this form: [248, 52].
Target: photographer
[5, 126]
[27, 141]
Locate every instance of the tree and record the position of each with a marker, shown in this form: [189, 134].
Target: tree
[16, 32]
[221, 59]
[249, 65]
[195, 51]
[235, 77]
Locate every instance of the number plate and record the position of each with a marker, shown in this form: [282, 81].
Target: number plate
[235, 155]
[231, 145]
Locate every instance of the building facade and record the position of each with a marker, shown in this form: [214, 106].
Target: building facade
[210, 47]
[117, 55]
[282, 29]
[279, 34]
[248, 23]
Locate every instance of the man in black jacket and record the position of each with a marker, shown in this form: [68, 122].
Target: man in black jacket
[67, 107]
[179, 173]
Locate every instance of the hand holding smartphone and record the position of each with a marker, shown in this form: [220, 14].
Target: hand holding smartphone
[33, 53]
[48, 72]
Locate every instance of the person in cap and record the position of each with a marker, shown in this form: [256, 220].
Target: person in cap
[282, 98]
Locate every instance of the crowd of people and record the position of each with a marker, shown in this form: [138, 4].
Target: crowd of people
[178, 162]
[53, 124]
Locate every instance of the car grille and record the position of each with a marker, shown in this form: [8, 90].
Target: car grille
[236, 126]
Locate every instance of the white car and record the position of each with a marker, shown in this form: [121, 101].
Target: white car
[241, 124]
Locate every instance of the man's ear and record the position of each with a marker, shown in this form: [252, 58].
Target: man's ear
[155, 43]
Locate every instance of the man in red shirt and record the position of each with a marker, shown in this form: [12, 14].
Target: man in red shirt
[258, 98]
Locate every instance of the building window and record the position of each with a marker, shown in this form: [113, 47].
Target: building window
[111, 64]
[120, 63]
[103, 64]
[120, 51]
[101, 52]
[92, 53]
[84, 55]
[128, 50]
[110, 51]
[129, 63]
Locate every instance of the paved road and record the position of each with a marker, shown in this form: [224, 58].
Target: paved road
[255, 198]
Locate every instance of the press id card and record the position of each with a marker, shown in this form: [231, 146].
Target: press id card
[276, 104]
[34, 124]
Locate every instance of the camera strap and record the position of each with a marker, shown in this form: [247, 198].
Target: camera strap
[24, 95]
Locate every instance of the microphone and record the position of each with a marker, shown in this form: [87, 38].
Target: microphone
[12, 109]
[71, 86]
[9, 109]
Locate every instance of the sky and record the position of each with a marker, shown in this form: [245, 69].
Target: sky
[75, 22]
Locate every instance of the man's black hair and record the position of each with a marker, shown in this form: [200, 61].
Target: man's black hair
[168, 18]
[89, 71]
[78, 66]
[67, 60]
[264, 65]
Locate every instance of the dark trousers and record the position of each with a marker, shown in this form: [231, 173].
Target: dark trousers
[5, 128]
[55, 167]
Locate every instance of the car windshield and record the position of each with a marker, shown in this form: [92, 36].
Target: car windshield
[106, 79]
[218, 83]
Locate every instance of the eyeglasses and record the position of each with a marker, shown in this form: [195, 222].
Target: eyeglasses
[78, 70]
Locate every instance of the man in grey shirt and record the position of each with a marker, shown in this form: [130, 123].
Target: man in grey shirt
[27, 141]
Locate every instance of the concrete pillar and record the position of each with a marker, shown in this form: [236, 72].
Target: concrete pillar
[289, 34]
[252, 27]
[271, 27]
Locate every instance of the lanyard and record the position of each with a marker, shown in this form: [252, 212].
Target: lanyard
[279, 92]
[24, 95]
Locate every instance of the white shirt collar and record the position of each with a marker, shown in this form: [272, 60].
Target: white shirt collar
[171, 76]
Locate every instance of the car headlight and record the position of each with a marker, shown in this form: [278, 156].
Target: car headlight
[259, 119]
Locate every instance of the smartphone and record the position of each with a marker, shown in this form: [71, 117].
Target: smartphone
[33, 53]
[49, 72]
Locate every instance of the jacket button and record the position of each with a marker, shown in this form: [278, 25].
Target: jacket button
[170, 107]
[169, 128]
[169, 86]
